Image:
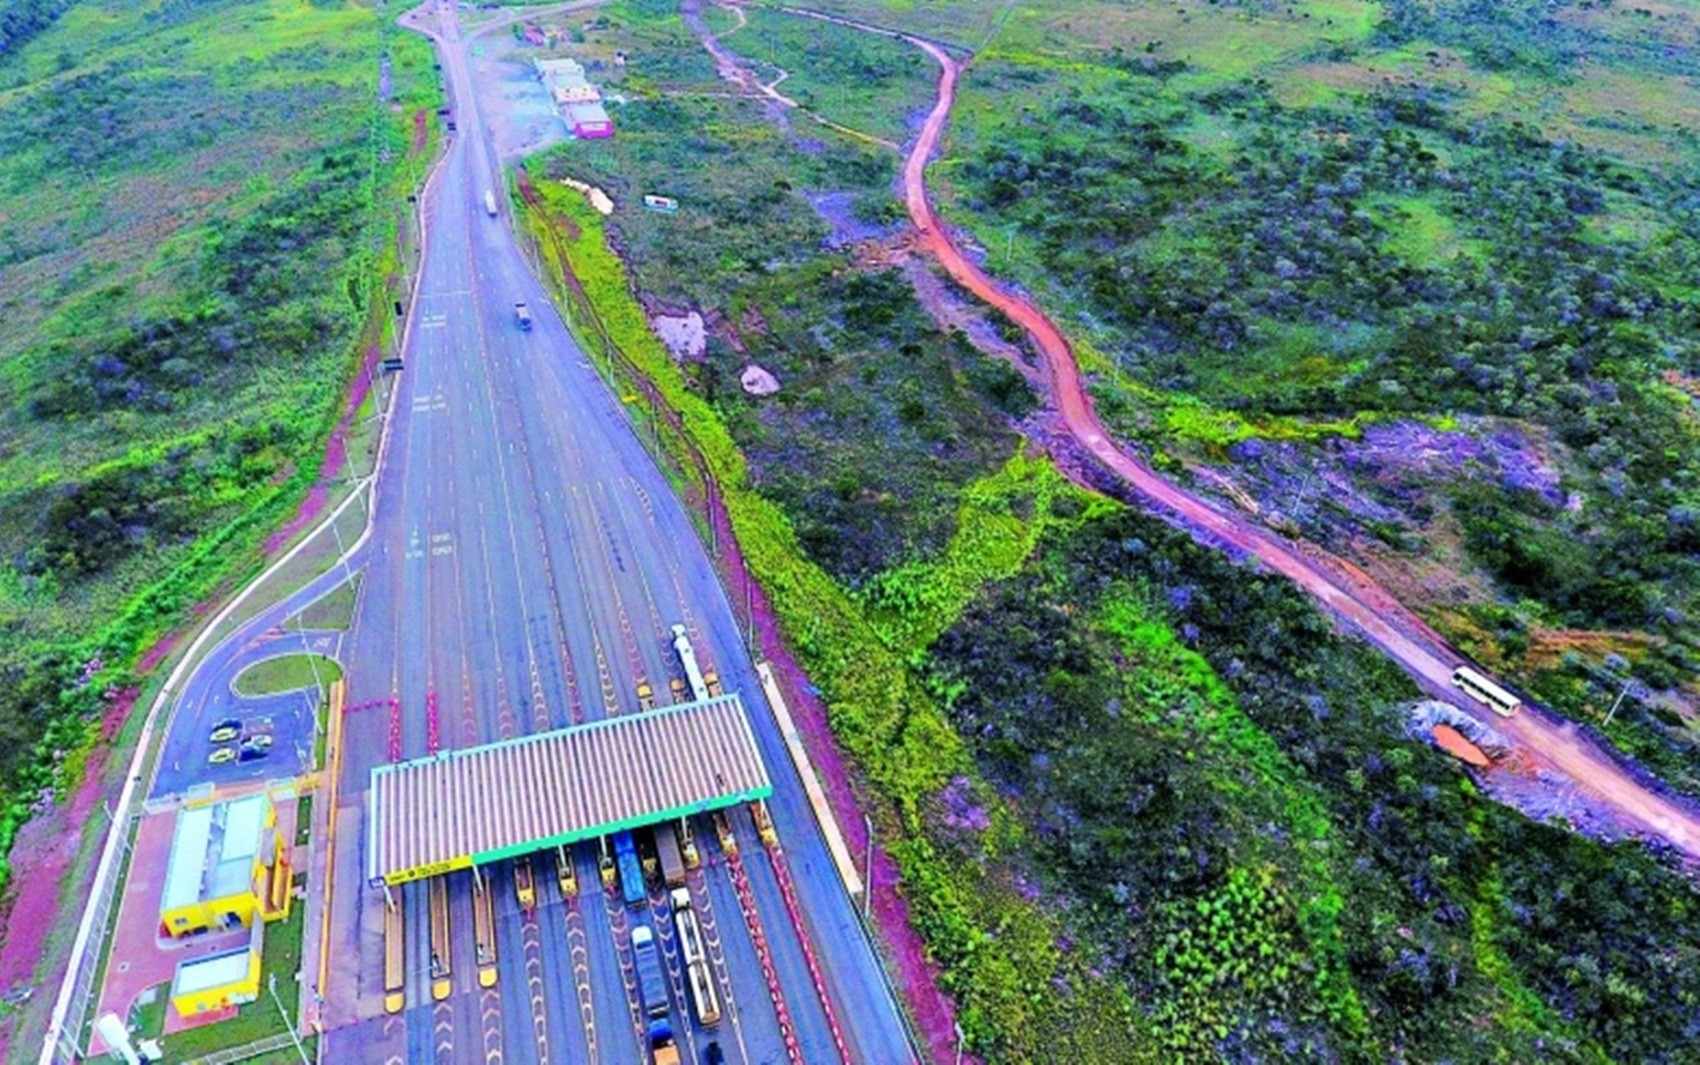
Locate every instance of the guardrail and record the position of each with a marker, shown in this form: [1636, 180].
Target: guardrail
[250, 1050]
[811, 785]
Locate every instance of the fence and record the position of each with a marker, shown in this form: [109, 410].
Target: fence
[103, 892]
[270, 1043]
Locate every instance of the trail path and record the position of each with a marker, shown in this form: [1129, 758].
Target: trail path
[1557, 746]
[732, 68]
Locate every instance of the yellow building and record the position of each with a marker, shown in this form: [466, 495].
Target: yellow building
[219, 981]
[228, 866]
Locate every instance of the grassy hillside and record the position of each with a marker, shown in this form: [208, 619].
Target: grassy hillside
[1146, 804]
[1415, 279]
[198, 204]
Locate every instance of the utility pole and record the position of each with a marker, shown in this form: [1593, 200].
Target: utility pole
[1627, 681]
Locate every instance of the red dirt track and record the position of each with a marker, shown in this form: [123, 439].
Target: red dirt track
[1345, 592]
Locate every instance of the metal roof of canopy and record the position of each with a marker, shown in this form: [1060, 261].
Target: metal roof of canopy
[465, 807]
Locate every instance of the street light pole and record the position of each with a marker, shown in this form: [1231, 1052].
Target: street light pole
[271, 985]
[749, 609]
[868, 870]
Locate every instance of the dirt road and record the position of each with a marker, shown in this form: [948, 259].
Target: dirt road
[1556, 745]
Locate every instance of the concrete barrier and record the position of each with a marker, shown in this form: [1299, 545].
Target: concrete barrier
[811, 785]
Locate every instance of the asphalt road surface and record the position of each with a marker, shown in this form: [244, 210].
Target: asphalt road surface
[209, 697]
[526, 562]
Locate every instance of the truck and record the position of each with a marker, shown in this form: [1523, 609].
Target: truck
[565, 873]
[489, 203]
[632, 887]
[688, 659]
[663, 1049]
[523, 313]
[525, 889]
[667, 846]
[697, 976]
[764, 823]
[652, 991]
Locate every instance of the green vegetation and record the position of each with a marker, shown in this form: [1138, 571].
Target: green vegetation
[22, 19]
[852, 350]
[873, 85]
[287, 673]
[333, 610]
[1442, 263]
[1145, 803]
[199, 205]
[998, 523]
[1225, 803]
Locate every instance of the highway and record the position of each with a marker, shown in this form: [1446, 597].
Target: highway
[526, 560]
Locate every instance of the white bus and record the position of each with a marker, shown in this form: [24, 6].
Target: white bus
[1486, 691]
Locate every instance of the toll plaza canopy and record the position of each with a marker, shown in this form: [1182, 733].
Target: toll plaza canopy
[461, 808]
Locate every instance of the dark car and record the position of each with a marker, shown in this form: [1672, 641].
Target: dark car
[714, 1055]
[250, 753]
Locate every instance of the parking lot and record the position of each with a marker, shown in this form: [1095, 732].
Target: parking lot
[288, 721]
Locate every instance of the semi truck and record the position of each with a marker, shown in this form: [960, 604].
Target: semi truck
[652, 990]
[667, 847]
[632, 887]
[696, 960]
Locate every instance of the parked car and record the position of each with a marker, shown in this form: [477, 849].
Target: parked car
[259, 741]
[221, 755]
[250, 753]
[225, 730]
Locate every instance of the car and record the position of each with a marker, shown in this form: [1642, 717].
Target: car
[224, 730]
[714, 1056]
[252, 754]
[259, 741]
[221, 755]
